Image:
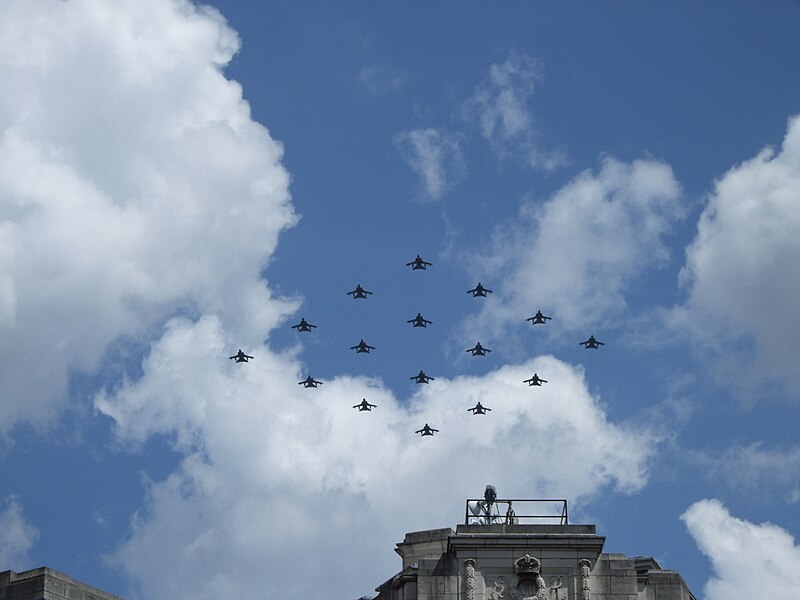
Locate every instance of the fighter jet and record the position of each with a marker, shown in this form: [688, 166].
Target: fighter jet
[538, 318]
[364, 405]
[535, 380]
[362, 347]
[591, 343]
[479, 409]
[478, 350]
[422, 378]
[309, 382]
[240, 356]
[303, 325]
[418, 264]
[427, 430]
[359, 292]
[419, 321]
[479, 290]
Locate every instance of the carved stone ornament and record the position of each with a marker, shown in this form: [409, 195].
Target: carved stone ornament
[470, 582]
[586, 592]
[528, 583]
[498, 588]
[556, 589]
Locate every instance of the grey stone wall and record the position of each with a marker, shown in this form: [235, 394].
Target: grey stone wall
[47, 584]
[478, 562]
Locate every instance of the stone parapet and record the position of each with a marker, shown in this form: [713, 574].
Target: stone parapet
[45, 583]
[524, 562]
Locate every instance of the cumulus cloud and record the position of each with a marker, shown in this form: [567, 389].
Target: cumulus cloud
[499, 107]
[749, 560]
[133, 185]
[273, 471]
[742, 270]
[435, 156]
[137, 196]
[580, 251]
[17, 536]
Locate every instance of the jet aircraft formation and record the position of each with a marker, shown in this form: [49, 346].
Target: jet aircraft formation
[479, 291]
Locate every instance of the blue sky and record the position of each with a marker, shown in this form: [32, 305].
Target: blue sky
[178, 181]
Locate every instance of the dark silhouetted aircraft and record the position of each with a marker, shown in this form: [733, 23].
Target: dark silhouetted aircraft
[591, 343]
[478, 350]
[362, 347]
[479, 409]
[479, 290]
[535, 380]
[422, 378]
[427, 430]
[364, 405]
[418, 264]
[240, 356]
[303, 325]
[419, 321]
[538, 318]
[359, 292]
[309, 382]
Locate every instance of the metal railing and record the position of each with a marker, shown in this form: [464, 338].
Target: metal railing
[503, 511]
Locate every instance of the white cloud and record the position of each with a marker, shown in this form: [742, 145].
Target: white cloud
[576, 255]
[17, 536]
[749, 560]
[500, 108]
[273, 472]
[435, 156]
[133, 184]
[743, 268]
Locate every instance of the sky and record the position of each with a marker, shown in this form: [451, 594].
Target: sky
[182, 180]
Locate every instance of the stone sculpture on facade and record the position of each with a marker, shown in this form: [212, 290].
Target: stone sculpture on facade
[470, 583]
[498, 589]
[586, 592]
[528, 583]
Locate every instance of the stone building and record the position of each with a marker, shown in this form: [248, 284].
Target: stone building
[494, 556]
[46, 584]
